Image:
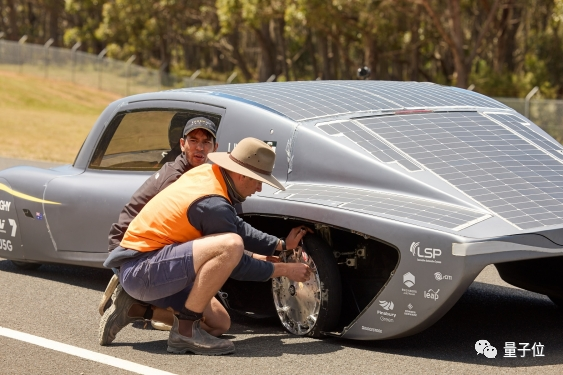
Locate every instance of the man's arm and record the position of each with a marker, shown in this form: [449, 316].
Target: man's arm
[212, 215]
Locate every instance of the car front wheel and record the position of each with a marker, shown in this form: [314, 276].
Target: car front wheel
[311, 307]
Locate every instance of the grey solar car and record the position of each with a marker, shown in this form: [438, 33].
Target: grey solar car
[411, 189]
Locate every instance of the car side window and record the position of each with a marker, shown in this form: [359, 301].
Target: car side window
[143, 140]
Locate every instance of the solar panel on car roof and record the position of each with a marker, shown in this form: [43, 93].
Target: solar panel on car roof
[494, 164]
[316, 99]
[368, 141]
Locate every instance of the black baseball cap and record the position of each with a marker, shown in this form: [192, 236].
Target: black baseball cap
[200, 123]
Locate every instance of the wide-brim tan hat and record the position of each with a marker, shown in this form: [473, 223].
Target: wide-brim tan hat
[252, 158]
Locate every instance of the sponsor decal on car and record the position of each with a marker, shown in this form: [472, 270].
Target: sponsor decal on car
[409, 311]
[438, 276]
[428, 254]
[409, 280]
[5, 205]
[372, 329]
[387, 316]
[431, 294]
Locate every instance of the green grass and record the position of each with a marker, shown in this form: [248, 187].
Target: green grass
[43, 119]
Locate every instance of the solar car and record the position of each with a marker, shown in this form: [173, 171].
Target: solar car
[411, 189]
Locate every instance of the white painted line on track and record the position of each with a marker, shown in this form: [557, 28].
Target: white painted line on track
[82, 353]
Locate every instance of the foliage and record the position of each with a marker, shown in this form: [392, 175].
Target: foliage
[503, 47]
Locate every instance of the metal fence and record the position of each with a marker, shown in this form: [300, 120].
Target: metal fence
[546, 113]
[87, 69]
[125, 78]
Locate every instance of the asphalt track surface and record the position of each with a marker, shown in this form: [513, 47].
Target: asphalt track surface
[59, 303]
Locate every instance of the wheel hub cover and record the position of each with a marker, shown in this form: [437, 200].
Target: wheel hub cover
[297, 303]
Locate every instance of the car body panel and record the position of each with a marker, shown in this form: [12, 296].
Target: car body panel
[363, 157]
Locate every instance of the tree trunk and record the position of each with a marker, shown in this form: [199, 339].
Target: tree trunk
[371, 55]
[322, 40]
[55, 9]
[239, 57]
[268, 55]
[13, 19]
[509, 25]
[457, 51]
[415, 45]
[281, 41]
[312, 53]
[335, 59]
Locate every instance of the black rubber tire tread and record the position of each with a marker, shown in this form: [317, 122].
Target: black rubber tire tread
[25, 265]
[331, 286]
[556, 300]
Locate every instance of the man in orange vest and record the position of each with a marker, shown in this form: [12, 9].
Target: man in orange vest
[186, 242]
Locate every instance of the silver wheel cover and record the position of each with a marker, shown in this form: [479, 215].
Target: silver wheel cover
[297, 303]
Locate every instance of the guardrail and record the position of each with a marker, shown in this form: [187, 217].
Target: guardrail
[87, 69]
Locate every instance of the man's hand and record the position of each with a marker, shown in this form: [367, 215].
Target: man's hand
[295, 235]
[299, 272]
[266, 258]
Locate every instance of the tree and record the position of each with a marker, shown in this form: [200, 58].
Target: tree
[450, 27]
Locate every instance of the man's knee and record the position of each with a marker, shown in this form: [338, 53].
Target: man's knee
[234, 247]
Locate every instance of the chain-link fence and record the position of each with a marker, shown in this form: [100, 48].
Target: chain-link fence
[87, 69]
[125, 78]
[546, 113]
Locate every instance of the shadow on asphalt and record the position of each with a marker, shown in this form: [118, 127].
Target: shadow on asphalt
[84, 277]
[485, 312]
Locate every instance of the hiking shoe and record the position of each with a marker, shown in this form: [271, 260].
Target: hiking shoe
[105, 303]
[116, 317]
[201, 342]
[160, 326]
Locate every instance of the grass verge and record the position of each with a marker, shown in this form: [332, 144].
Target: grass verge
[44, 119]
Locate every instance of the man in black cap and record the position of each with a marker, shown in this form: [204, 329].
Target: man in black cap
[198, 140]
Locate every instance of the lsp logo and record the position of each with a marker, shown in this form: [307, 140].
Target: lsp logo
[428, 253]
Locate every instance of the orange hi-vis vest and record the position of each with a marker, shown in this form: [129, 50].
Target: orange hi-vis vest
[164, 219]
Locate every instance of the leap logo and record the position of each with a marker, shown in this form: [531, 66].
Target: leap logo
[428, 255]
[431, 294]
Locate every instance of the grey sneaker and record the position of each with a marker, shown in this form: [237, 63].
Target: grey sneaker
[201, 342]
[105, 302]
[116, 317]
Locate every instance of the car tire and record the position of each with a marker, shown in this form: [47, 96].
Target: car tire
[25, 265]
[313, 307]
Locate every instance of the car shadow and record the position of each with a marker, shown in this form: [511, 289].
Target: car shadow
[255, 347]
[83, 277]
[485, 312]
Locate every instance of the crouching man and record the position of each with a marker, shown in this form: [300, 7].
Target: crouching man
[185, 243]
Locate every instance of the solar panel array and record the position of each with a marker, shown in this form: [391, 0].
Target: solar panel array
[527, 130]
[383, 204]
[485, 160]
[313, 99]
[369, 142]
